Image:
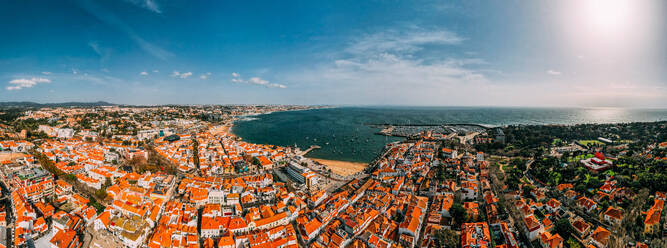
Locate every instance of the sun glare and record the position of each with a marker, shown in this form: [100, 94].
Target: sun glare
[612, 30]
[609, 16]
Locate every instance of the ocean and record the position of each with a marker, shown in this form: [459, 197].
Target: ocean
[344, 135]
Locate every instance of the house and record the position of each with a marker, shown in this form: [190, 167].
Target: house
[534, 227]
[311, 229]
[227, 241]
[449, 153]
[570, 195]
[587, 204]
[652, 221]
[265, 162]
[564, 186]
[102, 221]
[581, 228]
[600, 237]
[597, 163]
[65, 239]
[469, 190]
[553, 205]
[475, 235]
[510, 240]
[613, 215]
[547, 240]
[213, 226]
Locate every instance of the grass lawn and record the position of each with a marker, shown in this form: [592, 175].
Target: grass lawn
[580, 157]
[590, 142]
[525, 180]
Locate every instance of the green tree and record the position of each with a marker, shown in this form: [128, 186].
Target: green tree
[458, 213]
[446, 238]
[573, 243]
[70, 177]
[563, 227]
[101, 193]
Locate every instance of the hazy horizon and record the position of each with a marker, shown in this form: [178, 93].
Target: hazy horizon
[352, 105]
[561, 54]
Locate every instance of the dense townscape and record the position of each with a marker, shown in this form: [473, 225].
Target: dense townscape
[176, 176]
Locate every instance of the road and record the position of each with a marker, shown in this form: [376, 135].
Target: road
[464, 139]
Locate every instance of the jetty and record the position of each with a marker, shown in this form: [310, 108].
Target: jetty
[313, 147]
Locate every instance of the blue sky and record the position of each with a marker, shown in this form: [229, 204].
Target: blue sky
[608, 53]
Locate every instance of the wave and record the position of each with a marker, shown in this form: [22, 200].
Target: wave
[247, 118]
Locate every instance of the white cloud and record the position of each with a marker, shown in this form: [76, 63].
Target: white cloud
[104, 53]
[147, 4]
[46, 72]
[156, 71]
[186, 75]
[205, 76]
[256, 80]
[554, 73]
[181, 75]
[152, 5]
[21, 83]
[109, 18]
[387, 68]
[95, 46]
[143, 73]
[74, 71]
[401, 41]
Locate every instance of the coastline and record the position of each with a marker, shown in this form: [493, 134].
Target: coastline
[339, 167]
[343, 168]
[279, 111]
[230, 130]
[344, 133]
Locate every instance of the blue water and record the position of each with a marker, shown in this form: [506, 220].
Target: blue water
[351, 140]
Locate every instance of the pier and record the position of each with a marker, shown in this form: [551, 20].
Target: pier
[313, 147]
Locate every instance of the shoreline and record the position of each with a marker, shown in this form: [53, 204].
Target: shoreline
[339, 167]
[231, 124]
[343, 168]
[280, 111]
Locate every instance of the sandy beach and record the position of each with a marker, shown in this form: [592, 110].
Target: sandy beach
[343, 168]
[11, 156]
[220, 129]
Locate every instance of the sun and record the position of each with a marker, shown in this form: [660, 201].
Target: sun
[603, 28]
[609, 17]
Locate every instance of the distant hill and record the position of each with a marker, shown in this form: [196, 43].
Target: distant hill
[63, 104]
